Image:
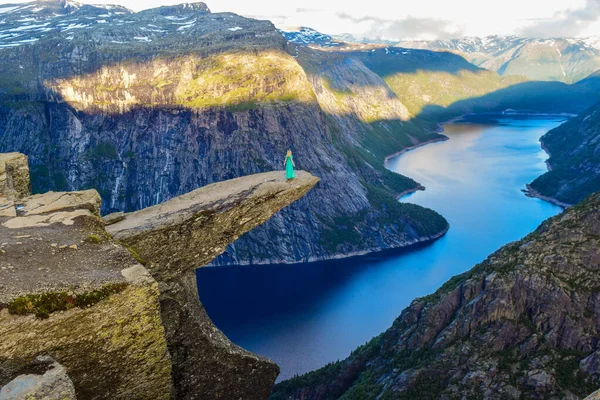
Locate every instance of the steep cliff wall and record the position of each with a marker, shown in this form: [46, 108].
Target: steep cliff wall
[151, 105]
[118, 307]
[522, 324]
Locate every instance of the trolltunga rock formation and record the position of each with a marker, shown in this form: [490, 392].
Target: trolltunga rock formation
[117, 305]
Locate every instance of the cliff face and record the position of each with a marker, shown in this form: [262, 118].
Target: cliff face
[147, 106]
[118, 307]
[522, 324]
[574, 170]
[176, 237]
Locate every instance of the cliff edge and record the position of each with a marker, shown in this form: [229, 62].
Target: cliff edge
[117, 305]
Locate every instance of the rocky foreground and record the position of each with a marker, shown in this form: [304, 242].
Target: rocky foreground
[110, 310]
[523, 324]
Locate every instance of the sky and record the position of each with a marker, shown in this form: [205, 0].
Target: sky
[414, 19]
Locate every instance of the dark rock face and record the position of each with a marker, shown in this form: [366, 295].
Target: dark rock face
[574, 163]
[522, 324]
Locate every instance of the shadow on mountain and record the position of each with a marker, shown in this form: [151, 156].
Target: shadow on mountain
[535, 97]
[144, 129]
[387, 61]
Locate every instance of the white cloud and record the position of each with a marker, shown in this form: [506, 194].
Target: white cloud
[416, 18]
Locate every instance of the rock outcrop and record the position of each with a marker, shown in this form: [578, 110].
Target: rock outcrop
[118, 307]
[14, 176]
[522, 324]
[176, 237]
[594, 396]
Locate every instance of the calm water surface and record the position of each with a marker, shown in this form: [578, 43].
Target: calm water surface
[304, 316]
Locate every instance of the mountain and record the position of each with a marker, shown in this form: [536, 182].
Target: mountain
[574, 163]
[522, 324]
[150, 105]
[307, 36]
[146, 106]
[561, 59]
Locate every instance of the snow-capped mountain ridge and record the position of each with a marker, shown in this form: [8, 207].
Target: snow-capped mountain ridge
[307, 36]
[558, 59]
[26, 23]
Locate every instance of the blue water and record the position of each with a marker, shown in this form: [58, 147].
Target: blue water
[306, 315]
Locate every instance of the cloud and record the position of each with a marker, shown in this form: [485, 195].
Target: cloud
[406, 28]
[307, 10]
[568, 23]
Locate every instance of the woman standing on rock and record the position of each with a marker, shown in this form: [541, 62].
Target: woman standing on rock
[289, 165]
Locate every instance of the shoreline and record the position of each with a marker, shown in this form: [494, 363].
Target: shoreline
[419, 187]
[531, 192]
[362, 253]
[443, 138]
[422, 241]
[547, 162]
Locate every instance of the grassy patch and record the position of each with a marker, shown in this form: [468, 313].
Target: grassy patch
[42, 305]
[102, 151]
[95, 239]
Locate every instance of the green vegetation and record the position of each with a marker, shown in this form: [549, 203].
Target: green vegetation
[438, 88]
[426, 386]
[42, 305]
[230, 80]
[342, 231]
[102, 151]
[574, 153]
[326, 377]
[425, 221]
[569, 376]
[134, 253]
[95, 239]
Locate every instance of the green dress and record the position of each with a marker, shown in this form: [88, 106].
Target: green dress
[289, 168]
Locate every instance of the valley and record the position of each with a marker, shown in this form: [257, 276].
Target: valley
[140, 144]
[308, 315]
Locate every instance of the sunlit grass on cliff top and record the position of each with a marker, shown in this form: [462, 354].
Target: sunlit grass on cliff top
[236, 80]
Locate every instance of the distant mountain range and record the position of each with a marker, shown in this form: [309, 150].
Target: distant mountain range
[563, 59]
[566, 60]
